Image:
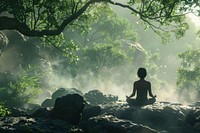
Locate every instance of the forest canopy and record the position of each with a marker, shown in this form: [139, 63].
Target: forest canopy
[50, 17]
[97, 44]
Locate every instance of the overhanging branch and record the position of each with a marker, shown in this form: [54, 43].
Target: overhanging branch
[7, 23]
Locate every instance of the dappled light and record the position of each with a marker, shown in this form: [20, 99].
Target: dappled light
[100, 66]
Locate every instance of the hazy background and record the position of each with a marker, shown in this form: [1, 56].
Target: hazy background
[120, 80]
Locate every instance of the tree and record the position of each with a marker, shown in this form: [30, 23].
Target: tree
[49, 17]
[189, 72]
[103, 44]
[106, 56]
[107, 46]
[105, 39]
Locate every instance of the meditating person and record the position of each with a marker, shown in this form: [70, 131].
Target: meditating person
[142, 88]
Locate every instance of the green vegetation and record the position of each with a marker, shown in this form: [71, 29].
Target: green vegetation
[50, 17]
[23, 90]
[59, 42]
[78, 37]
[189, 72]
[104, 45]
[3, 110]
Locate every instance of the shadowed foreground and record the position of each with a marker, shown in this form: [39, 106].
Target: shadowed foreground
[76, 113]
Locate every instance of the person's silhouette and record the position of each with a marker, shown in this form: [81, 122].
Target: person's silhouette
[142, 87]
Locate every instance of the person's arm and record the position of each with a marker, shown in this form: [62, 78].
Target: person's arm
[134, 91]
[150, 92]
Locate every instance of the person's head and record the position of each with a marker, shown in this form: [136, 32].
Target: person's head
[142, 73]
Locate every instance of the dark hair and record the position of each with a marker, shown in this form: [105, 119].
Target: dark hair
[142, 73]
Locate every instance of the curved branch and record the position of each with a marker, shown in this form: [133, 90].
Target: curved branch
[7, 23]
[124, 6]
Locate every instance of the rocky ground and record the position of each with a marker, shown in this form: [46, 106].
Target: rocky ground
[71, 111]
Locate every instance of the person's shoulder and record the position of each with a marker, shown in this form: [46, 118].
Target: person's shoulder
[136, 82]
[148, 82]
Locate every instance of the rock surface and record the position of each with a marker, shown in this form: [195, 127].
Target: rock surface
[59, 93]
[68, 108]
[159, 116]
[41, 113]
[162, 117]
[39, 125]
[111, 124]
[95, 97]
[193, 118]
[91, 111]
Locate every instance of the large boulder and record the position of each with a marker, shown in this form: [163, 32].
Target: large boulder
[111, 124]
[48, 103]
[95, 97]
[157, 116]
[59, 93]
[90, 111]
[117, 117]
[63, 91]
[41, 113]
[193, 118]
[68, 108]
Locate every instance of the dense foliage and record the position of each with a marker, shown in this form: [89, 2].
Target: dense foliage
[189, 72]
[95, 40]
[50, 17]
[106, 47]
[23, 89]
[3, 110]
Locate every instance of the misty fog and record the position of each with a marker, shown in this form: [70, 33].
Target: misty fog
[117, 80]
[168, 62]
